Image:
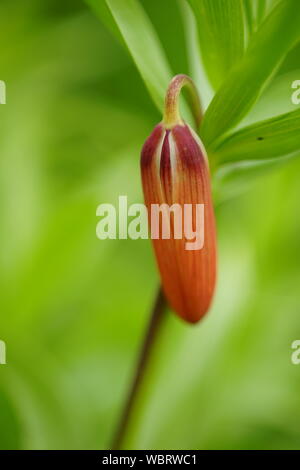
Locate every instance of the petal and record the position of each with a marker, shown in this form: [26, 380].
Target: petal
[175, 171]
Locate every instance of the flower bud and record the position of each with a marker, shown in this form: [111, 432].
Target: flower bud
[175, 173]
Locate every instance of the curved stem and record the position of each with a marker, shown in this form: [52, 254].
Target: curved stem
[159, 308]
[172, 113]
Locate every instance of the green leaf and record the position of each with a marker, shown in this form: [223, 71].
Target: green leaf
[277, 96]
[261, 6]
[267, 49]
[221, 35]
[266, 139]
[143, 44]
[196, 67]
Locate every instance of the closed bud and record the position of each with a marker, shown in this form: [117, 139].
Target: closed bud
[177, 191]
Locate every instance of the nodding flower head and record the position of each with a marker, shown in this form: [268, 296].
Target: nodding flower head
[175, 175]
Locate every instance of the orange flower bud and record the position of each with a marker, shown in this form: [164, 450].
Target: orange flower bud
[175, 172]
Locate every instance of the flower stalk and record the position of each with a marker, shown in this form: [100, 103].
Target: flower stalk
[175, 171]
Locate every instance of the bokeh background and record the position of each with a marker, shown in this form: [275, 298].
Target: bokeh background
[74, 309]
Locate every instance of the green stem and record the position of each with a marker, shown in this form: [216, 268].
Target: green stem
[157, 315]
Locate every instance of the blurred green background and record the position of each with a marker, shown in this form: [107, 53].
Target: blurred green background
[74, 308]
